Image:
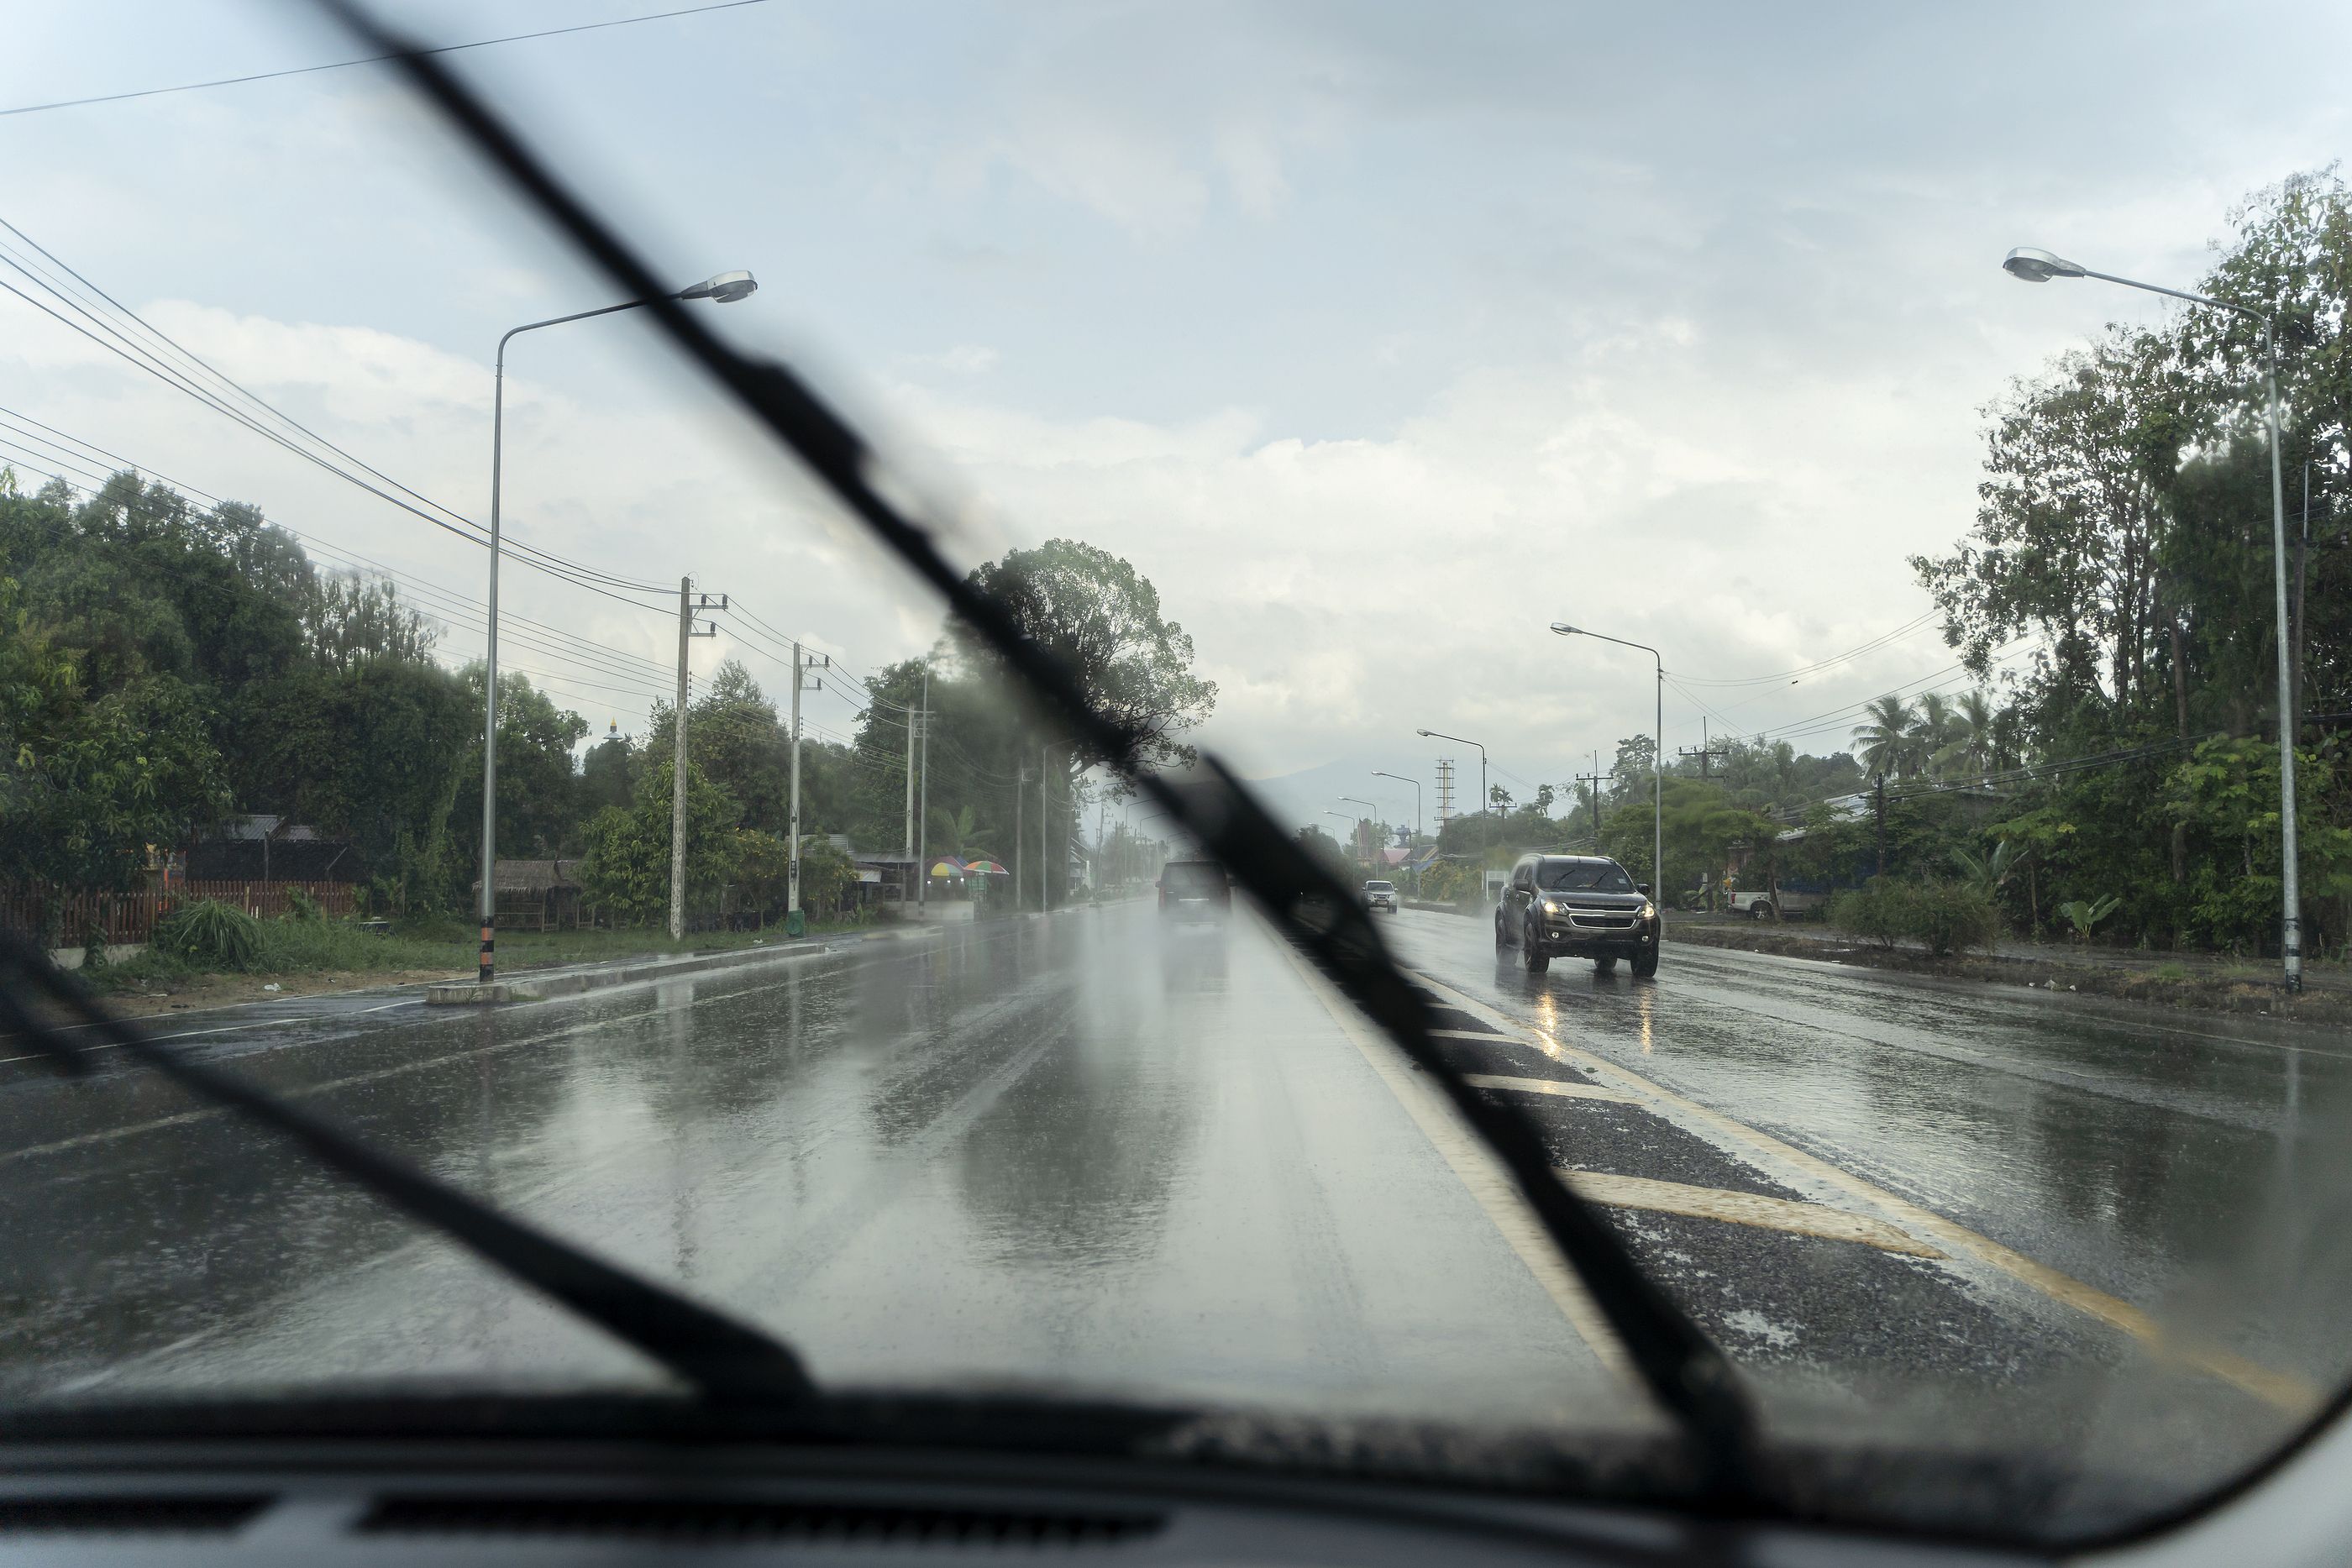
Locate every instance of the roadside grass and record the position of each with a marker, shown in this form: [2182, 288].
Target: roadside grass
[290, 948]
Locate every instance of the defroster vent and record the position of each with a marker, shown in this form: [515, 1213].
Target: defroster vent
[725, 1520]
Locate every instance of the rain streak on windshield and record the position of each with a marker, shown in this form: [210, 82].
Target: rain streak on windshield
[1365, 453]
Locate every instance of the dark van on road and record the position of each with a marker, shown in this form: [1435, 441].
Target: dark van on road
[1194, 890]
[1578, 906]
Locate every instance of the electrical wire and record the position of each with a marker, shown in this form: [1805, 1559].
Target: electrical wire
[368, 60]
[57, 439]
[182, 376]
[441, 613]
[1909, 628]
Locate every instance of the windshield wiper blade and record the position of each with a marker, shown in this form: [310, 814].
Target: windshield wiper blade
[1683, 1369]
[724, 1360]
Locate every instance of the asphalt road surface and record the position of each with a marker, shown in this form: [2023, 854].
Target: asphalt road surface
[1084, 1151]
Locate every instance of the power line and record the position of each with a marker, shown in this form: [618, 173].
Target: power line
[454, 617]
[56, 439]
[1907, 629]
[145, 357]
[369, 59]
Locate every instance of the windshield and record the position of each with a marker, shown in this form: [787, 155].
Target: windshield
[792, 839]
[1583, 876]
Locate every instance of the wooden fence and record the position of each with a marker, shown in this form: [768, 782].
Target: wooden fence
[131, 916]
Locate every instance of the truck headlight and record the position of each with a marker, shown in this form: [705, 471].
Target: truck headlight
[1649, 911]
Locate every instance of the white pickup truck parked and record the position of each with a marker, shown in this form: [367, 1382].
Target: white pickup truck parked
[1787, 903]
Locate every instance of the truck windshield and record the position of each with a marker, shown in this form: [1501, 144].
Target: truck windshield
[1585, 876]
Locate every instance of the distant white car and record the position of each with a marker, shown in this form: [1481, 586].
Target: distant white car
[1381, 895]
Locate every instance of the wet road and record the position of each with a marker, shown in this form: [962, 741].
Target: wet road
[1084, 1151]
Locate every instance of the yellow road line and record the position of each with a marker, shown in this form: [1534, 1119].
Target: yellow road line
[1476, 1168]
[1556, 1087]
[1745, 1208]
[2284, 1390]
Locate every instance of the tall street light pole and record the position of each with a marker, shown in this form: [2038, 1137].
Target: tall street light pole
[1485, 802]
[724, 288]
[2040, 266]
[1657, 757]
[1401, 778]
[1355, 828]
[1367, 805]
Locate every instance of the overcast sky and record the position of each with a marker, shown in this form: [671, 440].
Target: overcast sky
[1378, 337]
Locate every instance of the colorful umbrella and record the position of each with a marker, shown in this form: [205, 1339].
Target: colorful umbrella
[987, 868]
[947, 868]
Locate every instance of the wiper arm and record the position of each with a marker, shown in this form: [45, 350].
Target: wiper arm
[725, 1361]
[1683, 1370]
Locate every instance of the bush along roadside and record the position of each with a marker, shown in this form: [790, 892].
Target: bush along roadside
[1944, 917]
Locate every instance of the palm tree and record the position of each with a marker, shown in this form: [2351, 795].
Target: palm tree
[1969, 744]
[2006, 739]
[1930, 733]
[1885, 735]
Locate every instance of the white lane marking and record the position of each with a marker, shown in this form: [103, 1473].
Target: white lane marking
[1558, 1087]
[2282, 1390]
[1475, 1166]
[1781, 1214]
[187, 1034]
[353, 1080]
[2006, 995]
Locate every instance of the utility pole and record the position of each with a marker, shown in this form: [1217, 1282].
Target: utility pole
[1593, 778]
[910, 784]
[687, 603]
[1044, 831]
[800, 662]
[1703, 755]
[1881, 779]
[1020, 784]
[1706, 752]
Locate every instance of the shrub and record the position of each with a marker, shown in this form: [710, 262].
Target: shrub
[1868, 914]
[300, 905]
[1947, 916]
[1944, 917]
[210, 934]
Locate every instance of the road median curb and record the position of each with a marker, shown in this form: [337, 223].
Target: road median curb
[544, 985]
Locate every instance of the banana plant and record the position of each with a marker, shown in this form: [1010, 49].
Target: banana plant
[2083, 916]
[1987, 873]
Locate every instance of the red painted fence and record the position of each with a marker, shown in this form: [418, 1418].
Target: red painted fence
[131, 916]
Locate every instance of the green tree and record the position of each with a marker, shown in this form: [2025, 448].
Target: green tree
[625, 871]
[1101, 619]
[539, 788]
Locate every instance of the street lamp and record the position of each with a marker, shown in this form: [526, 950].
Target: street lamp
[723, 288]
[1657, 755]
[1484, 803]
[1369, 806]
[1416, 795]
[1354, 826]
[2030, 265]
